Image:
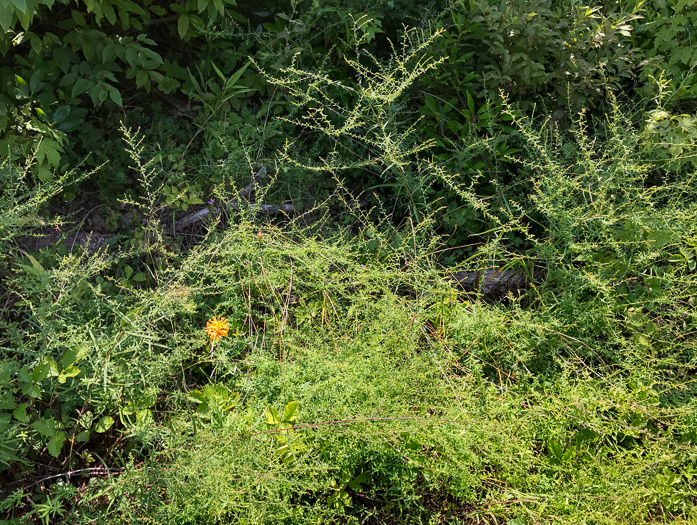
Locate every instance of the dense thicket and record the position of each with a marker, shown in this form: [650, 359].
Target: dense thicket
[383, 151]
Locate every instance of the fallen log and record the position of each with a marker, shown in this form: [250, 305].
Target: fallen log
[244, 195]
[496, 282]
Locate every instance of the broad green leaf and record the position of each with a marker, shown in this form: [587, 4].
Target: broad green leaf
[52, 365]
[49, 150]
[56, 443]
[6, 18]
[40, 372]
[80, 86]
[142, 78]
[44, 173]
[216, 393]
[291, 411]
[196, 396]
[272, 417]
[115, 96]
[132, 56]
[202, 4]
[183, 25]
[108, 53]
[24, 375]
[20, 5]
[60, 114]
[660, 238]
[45, 427]
[7, 402]
[204, 410]
[555, 448]
[219, 6]
[83, 436]
[24, 18]
[71, 371]
[20, 413]
[110, 15]
[72, 355]
[35, 81]
[104, 424]
[31, 390]
[79, 18]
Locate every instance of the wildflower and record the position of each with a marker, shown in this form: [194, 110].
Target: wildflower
[211, 201]
[217, 328]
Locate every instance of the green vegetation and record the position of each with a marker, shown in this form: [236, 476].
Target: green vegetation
[342, 182]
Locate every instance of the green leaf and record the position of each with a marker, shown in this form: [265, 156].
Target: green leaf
[139, 277]
[236, 76]
[142, 78]
[219, 6]
[48, 150]
[24, 375]
[555, 448]
[40, 372]
[44, 173]
[110, 15]
[52, 365]
[80, 86]
[83, 436]
[56, 443]
[79, 18]
[220, 73]
[45, 427]
[660, 238]
[31, 390]
[291, 411]
[7, 402]
[183, 25]
[204, 410]
[104, 424]
[196, 396]
[6, 17]
[272, 417]
[35, 83]
[20, 413]
[24, 19]
[217, 393]
[20, 5]
[61, 56]
[115, 96]
[35, 264]
[71, 371]
[202, 4]
[71, 355]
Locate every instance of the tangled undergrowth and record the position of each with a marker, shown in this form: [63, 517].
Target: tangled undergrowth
[356, 383]
[342, 375]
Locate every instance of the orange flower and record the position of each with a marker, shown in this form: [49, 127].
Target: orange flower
[217, 328]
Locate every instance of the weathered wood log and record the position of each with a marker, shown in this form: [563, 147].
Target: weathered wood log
[235, 204]
[496, 282]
